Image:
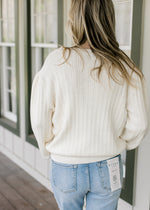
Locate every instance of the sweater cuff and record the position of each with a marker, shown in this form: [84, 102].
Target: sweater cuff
[130, 147]
[45, 154]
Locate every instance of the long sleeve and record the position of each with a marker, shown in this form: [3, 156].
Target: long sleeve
[41, 110]
[138, 114]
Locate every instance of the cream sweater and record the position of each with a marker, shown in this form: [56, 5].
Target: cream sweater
[78, 120]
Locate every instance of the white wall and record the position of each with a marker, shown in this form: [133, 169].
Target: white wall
[142, 175]
[142, 181]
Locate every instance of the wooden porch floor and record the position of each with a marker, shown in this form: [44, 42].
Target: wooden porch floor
[19, 190]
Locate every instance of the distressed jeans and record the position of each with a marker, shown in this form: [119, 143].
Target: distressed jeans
[71, 183]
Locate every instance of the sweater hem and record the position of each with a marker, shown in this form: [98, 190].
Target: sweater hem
[79, 159]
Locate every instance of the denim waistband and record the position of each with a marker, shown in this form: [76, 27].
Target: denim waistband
[81, 164]
[105, 161]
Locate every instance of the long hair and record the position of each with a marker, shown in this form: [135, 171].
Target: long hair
[94, 21]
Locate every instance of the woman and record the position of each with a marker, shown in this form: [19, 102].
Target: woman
[89, 103]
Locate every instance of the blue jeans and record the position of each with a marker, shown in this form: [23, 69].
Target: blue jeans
[72, 182]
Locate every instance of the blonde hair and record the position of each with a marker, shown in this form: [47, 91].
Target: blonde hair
[94, 21]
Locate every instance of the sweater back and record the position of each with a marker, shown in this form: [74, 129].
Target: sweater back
[76, 119]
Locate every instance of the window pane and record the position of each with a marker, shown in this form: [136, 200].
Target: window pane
[51, 32]
[8, 58]
[9, 101]
[14, 107]
[38, 29]
[7, 22]
[11, 92]
[13, 84]
[10, 8]
[9, 79]
[8, 82]
[10, 68]
[0, 58]
[44, 21]
[38, 57]
[51, 21]
[4, 9]
[123, 10]
[13, 62]
[4, 31]
[45, 53]
[11, 31]
[51, 7]
[37, 8]
[43, 6]
[0, 10]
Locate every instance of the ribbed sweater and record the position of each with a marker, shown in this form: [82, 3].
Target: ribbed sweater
[76, 119]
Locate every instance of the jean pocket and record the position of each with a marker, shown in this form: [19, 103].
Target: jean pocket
[64, 176]
[104, 175]
[104, 178]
